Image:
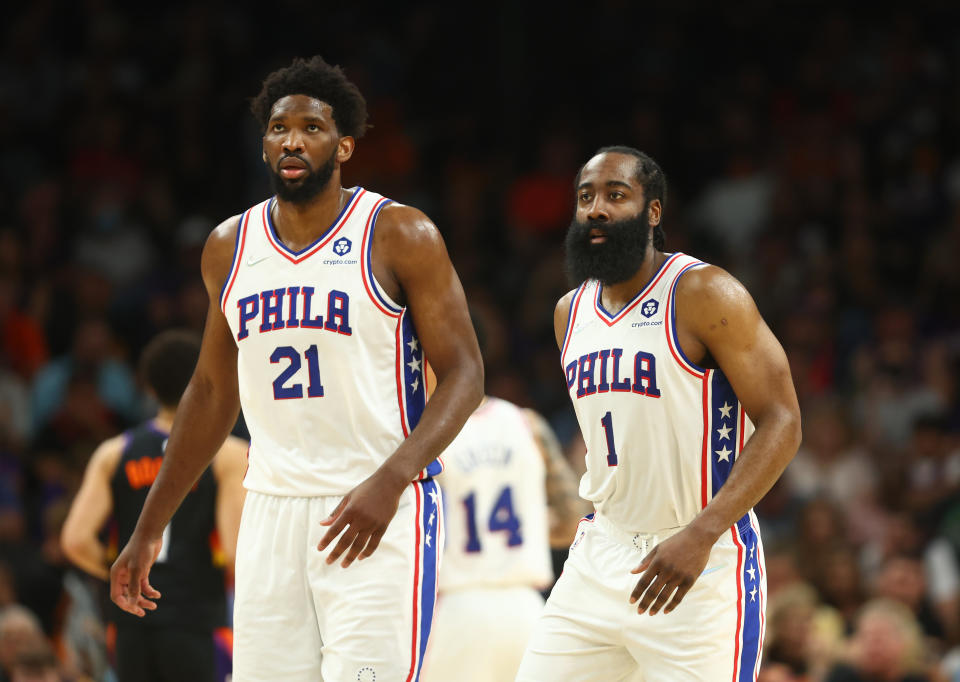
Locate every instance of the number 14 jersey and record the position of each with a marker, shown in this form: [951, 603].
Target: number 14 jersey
[662, 434]
[330, 369]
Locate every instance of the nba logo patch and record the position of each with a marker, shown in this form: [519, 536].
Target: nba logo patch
[341, 247]
[650, 308]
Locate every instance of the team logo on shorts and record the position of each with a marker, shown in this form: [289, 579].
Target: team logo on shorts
[341, 247]
[650, 308]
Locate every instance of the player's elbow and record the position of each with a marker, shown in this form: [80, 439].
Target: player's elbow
[476, 383]
[71, 544]
[793, 432]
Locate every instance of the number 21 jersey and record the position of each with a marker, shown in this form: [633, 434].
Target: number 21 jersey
[330, 369]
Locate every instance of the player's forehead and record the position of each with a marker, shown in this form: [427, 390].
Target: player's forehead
[610, 168]
[301, 106]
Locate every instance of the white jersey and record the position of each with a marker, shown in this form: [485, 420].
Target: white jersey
[662, 433]
[330, 369]
[496, 503]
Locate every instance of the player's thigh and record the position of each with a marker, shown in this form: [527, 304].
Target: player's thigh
[578, 639]
[480, 635]
[183, 654]
[375, 615]
[275, 630]
[718, 627]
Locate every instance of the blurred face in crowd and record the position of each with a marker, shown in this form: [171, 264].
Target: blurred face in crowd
[881, 647]
[301, 147]
[610, 232]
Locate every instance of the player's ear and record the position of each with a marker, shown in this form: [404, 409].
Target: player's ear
[264, 155]
[653, 212]
[345, 148]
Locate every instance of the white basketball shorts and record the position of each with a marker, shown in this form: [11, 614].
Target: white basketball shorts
[296, 618]
[480, 634]
[590, 632]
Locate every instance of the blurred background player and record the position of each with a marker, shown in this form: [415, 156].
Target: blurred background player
[177, 642]
[509, 496]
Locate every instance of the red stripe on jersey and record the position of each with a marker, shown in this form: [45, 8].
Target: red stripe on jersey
[569, 334]
[705, 459]
[236, 265]
[416, 591]
[400, 392]
[739, 574]
[365, 263]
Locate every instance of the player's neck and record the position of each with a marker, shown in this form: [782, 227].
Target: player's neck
[616, 296]
[164, 418]
[299, 225]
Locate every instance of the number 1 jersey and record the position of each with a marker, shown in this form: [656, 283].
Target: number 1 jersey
[330, 369]
[662, 434]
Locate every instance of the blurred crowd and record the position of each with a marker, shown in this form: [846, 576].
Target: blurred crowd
[812, 150]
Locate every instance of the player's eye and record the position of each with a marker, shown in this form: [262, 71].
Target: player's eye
[616, 195]
[584, 197]
[313, 128]
[277, 127]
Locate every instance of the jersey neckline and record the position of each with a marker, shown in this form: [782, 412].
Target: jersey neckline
[319, 242]
[612, 318]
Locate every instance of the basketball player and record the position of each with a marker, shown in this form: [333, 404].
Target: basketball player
[510, 496]
[686, 404]
[325, 302]
[178, 644]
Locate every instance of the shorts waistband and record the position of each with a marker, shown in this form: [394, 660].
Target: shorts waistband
[642, 542]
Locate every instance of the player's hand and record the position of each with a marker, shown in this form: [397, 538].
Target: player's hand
[130, 587]
[362, 516]
[671, 568]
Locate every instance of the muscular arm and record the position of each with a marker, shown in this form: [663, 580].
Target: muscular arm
[721, 321]
[210, 403]
[207, 411]
[411, 263]
[718, 325]
[90, 509]
[229, 467]
[564, 505]
[416, 255]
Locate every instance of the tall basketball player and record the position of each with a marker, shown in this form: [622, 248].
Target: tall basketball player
[325, 303]
[178, 643]
[687, 407]
[510, 496]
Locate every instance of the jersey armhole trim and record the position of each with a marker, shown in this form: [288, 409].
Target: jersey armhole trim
[571, 316]
[238, 244]
[673, 340]
[380, 299]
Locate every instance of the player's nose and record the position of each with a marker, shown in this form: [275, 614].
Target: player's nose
[293, 141]
[597, 210]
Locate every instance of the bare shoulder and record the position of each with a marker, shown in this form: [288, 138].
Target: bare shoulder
[561, 316]
[218, 252]
[712, 302]
[402, 225]
[107, 455]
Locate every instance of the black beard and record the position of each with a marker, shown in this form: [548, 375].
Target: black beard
[303, 190]
[615, 260]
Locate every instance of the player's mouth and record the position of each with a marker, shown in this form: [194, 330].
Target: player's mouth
[292, 168]
[597, 236]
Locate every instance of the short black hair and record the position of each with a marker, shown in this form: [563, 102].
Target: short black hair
[167, 363]
[315, 78]
[650, 176]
